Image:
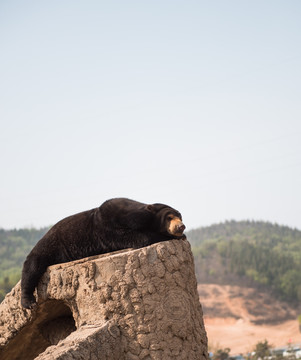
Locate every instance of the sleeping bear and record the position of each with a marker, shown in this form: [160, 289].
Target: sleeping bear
[117, 224]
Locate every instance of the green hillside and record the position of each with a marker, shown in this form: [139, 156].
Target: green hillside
[14, 247]
[249, 252]
[242, 253]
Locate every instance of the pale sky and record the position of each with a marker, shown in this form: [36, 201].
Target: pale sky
[191, 103]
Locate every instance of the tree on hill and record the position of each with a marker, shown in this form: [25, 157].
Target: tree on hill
[262, 349]
[221, 354]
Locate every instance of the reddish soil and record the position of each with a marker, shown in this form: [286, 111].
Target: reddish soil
[238, 318]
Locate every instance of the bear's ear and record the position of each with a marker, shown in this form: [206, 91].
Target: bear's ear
[150, 208]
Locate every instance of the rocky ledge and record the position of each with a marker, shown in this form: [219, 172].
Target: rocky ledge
[129, 305]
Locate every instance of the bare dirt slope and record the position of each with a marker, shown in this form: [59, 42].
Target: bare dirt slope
[238, 317]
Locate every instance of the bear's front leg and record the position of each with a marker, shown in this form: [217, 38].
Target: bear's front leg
[33, 269]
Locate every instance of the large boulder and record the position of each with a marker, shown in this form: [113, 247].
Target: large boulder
[133, 305]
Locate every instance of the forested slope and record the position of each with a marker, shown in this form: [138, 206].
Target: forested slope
[14, 247]
[234, 252]
[249, 252]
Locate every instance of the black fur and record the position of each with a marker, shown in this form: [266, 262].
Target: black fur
[117, 224]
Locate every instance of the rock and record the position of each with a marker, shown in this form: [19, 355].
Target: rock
[132, 304]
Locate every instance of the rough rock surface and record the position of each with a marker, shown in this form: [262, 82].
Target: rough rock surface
[132, 304]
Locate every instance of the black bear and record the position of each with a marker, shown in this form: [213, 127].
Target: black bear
[117, 224]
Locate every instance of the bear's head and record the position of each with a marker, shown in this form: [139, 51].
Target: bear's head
[167, 220]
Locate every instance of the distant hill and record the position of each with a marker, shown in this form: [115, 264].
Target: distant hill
[234, 252]
[14, 247]
[249, 253]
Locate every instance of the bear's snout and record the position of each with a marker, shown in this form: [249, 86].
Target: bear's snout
[181, 228]
[176, 227]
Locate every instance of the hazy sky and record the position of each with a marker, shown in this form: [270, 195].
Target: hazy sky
[191, 103]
